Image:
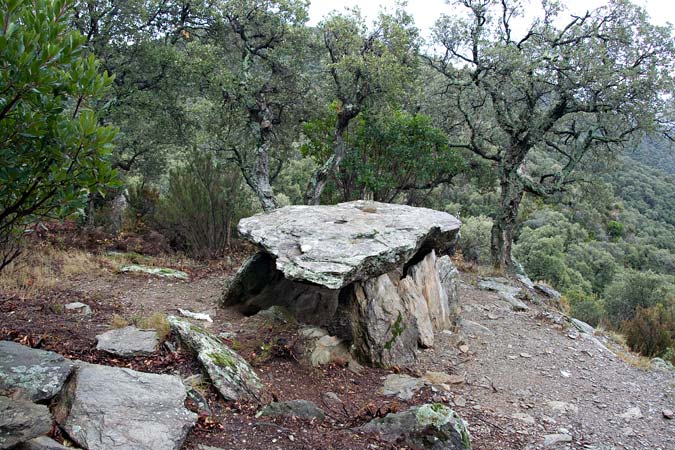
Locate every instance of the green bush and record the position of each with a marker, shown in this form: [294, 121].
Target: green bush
[587, 308]
[474, 240]
[631, 291]
[203, 204]
[652, 330]
[615, 229]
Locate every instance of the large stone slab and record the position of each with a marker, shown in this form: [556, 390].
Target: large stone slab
[425, 275]
[39, 374]
[109, 408]
[21, 420]
[234, 378]
[127, 341]
[333, 246]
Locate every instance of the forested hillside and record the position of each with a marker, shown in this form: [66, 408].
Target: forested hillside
[174, 119]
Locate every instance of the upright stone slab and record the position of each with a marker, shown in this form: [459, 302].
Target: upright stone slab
[39, 374]
[425, 276]
[109, 408]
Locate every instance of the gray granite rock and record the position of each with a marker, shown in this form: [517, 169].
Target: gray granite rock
[41, 443]
[230, 374]
[449, 276]
[78, 307]
[402, 386]
[39, 374]
[293, 408]
[161, 272]
[128, 341]
[21, 420]
[110, 408]
[582, 326]
[333, 246]
[425, 275]
[417, 307]
[429, 426]
[506, 292]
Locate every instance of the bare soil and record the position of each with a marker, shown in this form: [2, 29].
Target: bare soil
[523, 361]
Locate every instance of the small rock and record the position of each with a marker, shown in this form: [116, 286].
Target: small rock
[78, 307]
[463, 348]
[565, 374]
[563, 407]
[156, 271]
[553, 439]
[459, 401]
[524, 418]
[668, 413]
[632, 413]
[469, 327]
[127, 342]
[402, 386]
[193, 315]
[439, 378]
[293, 408]
[525, 355]
[21, 420]
[661, 364]
[582, 326]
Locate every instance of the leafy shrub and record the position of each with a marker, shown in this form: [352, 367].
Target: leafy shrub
[474, 240]
[203, 204]
[632, 291]
[652, 331]
[587, 308]
[615, 229]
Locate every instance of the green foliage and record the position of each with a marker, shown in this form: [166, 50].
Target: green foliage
[615, 229]
[204, 202]
[474, 240]
[54, 151]
[635, 290]
[652, 331]
[588, 308]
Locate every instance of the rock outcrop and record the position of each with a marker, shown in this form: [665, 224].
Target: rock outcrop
[108, 408]
[429, 426]
[367, 271]
[234, 378]
[22, 420]
[39, 374]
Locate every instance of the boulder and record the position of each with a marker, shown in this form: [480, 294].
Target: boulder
[293, 408]
[109, 408]
[41, 443]
[333, 246]
[39, 374]
[506, 292]
[22, 420]
[127, 341]
[582, 326]
[548, 291]
[429, 426]
[231, 375]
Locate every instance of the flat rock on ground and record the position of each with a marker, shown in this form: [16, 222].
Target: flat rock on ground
[108, 408]
[333, 246]
[39, 374]
[21, 420]
[293, 408]
[128, 341]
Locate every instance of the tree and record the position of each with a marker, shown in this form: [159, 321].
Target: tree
[365, 66]
[571, 93]
[54, 151]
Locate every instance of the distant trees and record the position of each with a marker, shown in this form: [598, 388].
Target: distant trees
[573, 93]
[54, 151]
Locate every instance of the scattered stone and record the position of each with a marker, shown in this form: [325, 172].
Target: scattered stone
[562, 407]
[193, 315]
[582, 326]
[565, 374]
[402, 386]
[293, 408]
[346, 242]
[429, 426]
[551, 440]
[41, 443]
[469, 326]
[39, 374]
[105, 407]
[506, 291]
[231, 375]
[161, 272]
[21, 420]
[128, 341]
[668, 413]
[463, 348]
[439, 378]
[459, 401]
[631, 413]
[528, 419]
[78, 307]
[525, 355]
[661, 364]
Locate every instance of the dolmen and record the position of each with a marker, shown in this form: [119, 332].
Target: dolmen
[376, 275]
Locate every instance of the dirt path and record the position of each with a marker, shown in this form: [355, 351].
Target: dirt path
[549, 379]
[527, 375]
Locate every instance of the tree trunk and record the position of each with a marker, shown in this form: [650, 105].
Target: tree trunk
[505, 220]
[320, 178]
[261, 178]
